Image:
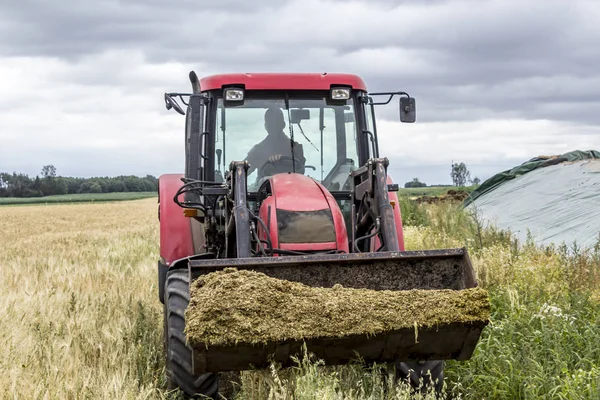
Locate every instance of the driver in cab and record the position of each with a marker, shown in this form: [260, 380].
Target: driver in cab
[276, 145]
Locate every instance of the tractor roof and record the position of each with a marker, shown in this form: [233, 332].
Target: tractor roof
[283, 81]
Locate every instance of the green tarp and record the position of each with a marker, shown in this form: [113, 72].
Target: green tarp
[553, 199]
[528, 166]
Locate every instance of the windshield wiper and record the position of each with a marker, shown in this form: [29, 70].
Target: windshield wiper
[305, 137]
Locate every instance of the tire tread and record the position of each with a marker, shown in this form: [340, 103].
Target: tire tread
[178, 352]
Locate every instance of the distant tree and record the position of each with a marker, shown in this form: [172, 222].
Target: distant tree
[4, 184]
[95, 188]
[460, 174]
[476, 181]
[4, 180]
[148, 186]
[18, 185]
[84, 187]
[73, 184]
[116, 185]
[37, 183]
[49, 183]
[133, 184]
[60, 186]
[152, 179]
[414, 183]
[49, 171]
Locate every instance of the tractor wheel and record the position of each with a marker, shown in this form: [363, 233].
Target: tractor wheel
[422, 374]
[178, 352]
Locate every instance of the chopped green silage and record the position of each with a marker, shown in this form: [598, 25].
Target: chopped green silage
[230, 307]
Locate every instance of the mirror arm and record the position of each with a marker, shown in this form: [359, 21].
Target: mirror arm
[181, 98]
[407, 104]
[391, 94]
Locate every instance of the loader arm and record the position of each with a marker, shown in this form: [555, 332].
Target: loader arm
[373, 204]
[240, 218]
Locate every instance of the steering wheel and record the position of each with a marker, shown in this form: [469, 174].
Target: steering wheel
[283, 164]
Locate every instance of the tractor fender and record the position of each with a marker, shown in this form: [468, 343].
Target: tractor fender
[175, 229]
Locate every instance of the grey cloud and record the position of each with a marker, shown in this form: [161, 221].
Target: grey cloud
[181, 30]
[462, 60]
[459, 43]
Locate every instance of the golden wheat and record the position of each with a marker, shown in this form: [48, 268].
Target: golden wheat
[79, 312]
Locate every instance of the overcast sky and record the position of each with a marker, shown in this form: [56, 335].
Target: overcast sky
[496, 82]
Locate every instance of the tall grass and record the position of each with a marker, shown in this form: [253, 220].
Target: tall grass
[543, 338]
[310, 380]
[80, 316]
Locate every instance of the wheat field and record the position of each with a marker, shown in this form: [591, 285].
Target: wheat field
[80, 316]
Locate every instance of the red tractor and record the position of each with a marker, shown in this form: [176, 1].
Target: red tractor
[283, 176]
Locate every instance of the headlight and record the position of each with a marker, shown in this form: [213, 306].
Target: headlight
[340, 93]
[234, 94]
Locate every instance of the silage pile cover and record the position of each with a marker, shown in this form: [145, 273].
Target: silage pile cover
[556, 198]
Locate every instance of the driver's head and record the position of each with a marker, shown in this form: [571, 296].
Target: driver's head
[274, 121]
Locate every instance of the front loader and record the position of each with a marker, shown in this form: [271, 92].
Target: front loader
[323, 212]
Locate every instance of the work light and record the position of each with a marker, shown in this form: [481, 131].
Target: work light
[340, 93]
[234, 94]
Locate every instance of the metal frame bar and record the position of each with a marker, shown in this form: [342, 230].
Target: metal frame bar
[391, 94]
[240, 209]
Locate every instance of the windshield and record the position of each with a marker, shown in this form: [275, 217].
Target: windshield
[260, 131]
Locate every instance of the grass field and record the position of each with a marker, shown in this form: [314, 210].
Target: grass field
[80, 316]
[77, 198]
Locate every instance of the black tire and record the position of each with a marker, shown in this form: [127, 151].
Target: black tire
[421, 375]
[178, 352]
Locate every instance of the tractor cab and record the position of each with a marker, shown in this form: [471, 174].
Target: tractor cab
[318, 125]
[304, 133]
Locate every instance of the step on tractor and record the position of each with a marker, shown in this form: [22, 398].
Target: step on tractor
[283, 176]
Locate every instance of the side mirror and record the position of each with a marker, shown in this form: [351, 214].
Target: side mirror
[299, 115]
[408, 112]
[172, 103]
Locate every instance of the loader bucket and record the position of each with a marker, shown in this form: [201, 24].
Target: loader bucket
[395, 271]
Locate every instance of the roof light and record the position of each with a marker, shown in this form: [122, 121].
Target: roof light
[234, 94]
[340, 93]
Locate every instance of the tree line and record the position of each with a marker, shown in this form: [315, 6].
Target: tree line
[459, 173]
[48, 183]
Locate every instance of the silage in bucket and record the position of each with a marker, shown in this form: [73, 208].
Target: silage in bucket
[231, 307]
